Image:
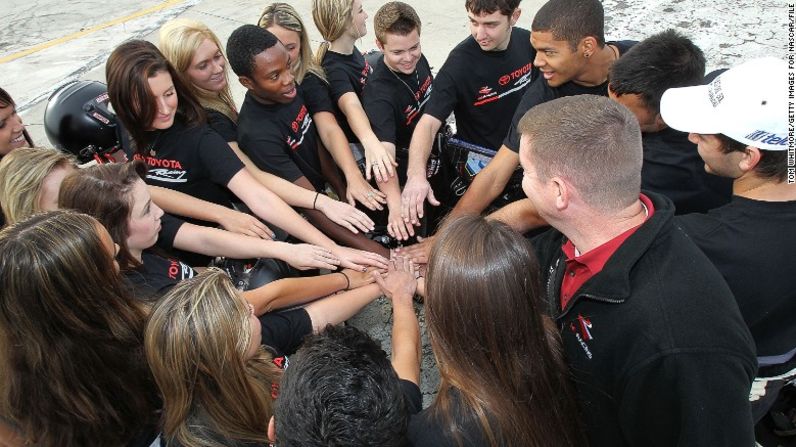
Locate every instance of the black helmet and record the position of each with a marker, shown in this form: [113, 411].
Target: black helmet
[78, 120]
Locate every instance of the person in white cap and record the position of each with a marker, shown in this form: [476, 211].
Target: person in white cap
[740, 125]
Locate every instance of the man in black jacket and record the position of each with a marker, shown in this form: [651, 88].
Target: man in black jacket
[658, 348]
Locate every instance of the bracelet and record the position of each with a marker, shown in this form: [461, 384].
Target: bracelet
[347, 281]
[315, 200]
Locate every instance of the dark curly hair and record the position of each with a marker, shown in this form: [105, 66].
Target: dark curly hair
[244, 44]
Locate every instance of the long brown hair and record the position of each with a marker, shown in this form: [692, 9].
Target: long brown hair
[105, 193]
[196, 343]
[71, 337]
[128, 69]
[495, 352]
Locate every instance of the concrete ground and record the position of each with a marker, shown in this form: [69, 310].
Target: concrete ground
[46, 43]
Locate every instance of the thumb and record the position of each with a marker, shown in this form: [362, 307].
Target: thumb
[431, 199]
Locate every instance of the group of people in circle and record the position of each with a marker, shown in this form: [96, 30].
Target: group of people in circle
[185, 285]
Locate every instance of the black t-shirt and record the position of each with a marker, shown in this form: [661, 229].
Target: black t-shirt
[222, 125]
[169, 226]
[751, 243]
[283, 332]
[540, 92]
[156, 276]
[426, 430]
[193, 160]
[281, 139]
[316, 94]
[395, 101]
[672, 167]
[483, 88]
[346, 73]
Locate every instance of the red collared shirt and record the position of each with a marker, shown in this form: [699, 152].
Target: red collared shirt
[581, 268]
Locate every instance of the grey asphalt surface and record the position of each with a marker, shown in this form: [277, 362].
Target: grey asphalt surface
[728, 32]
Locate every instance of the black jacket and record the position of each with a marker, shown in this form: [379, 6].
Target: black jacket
[658, 350]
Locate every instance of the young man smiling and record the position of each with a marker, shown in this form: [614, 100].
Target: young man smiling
[275, 128]
[574, 59]
[395, 97]
[481, 82]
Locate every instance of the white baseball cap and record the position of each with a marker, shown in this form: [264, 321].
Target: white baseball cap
[747, 103]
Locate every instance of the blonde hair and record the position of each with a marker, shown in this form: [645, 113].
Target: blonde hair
[284, 15]
[22, 173]
[178, 41]
[196, 343]
[332, 18]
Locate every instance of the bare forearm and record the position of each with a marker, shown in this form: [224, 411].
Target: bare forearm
[336, 143]
[405, 340]
[293, 291]
[287, 191]
[521, 216]
[217, 242]
[181, 204]
[338, 308]
[420, 146]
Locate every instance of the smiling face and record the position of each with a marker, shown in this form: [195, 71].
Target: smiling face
[359, 20]
[401, 53]
[11, 130]
[272, 79]
[143, 225]
[162, 88]
[208, 67]
[555, 58]
[492, 31]
[290, 39]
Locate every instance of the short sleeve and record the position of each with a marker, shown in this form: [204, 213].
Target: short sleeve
[222, 125]
[266, 148]
[443, 97]
[169, 226]
[284, 332]
[412, 396]
[339, 81]
[379, 105]
[218, 158]
[316, 94]
[533, 96]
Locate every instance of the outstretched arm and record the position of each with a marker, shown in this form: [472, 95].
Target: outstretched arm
[271, 208]
[400, 286]
[181, 204]
[216, 242]
[378, 159]
[288, 292]
[417, 188]
[338, 212]
[488, 184]
[337, 308]
[335, 142]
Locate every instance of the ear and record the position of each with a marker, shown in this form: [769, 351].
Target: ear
[561, 191]
[246, 82]
[515, 16]
[588, 46]
[750, 159]
[271, 430]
